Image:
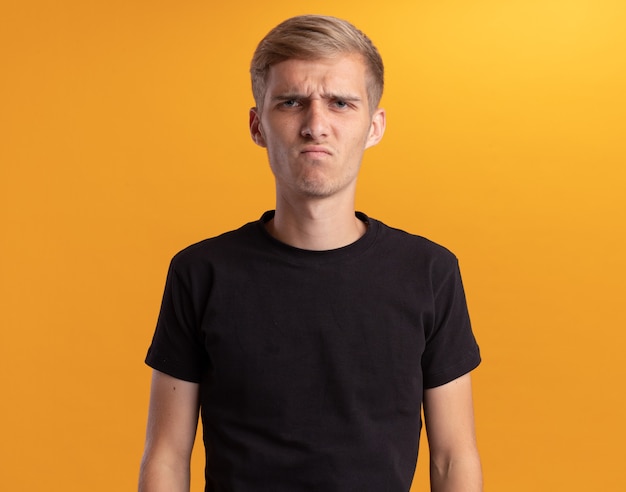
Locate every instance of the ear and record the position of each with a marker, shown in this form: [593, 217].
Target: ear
[255, 128]
[377, 128]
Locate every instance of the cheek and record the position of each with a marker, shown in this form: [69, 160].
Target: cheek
[359, 140]
[278, 136]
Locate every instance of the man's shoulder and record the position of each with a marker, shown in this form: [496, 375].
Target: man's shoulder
[225, 244]
[414, 243]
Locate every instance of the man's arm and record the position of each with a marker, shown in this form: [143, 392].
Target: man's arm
[449, 417]
[172, 424]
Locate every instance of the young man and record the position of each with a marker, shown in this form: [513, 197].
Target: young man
[310, 338]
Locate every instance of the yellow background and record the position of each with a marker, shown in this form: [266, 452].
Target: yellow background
[124, 138]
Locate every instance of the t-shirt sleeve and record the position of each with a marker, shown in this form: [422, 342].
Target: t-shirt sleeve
[176, 347]
[451, 349]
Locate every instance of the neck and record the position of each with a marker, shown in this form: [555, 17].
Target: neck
[316, 225]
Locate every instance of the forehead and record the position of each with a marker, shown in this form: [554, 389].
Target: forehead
[345, 72]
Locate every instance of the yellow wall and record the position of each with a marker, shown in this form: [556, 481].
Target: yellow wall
[124, 138]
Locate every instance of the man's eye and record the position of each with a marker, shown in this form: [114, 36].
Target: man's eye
[341, 104]
[291, 103]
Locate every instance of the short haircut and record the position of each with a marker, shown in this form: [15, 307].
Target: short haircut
[310, 37]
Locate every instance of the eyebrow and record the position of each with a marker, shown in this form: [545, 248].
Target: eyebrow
[328, 96]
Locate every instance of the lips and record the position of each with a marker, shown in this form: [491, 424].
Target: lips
[315, 151]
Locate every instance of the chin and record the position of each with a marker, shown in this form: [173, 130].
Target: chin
[319, 185]
[319, 189]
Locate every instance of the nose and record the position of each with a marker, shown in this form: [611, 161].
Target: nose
[315, 122]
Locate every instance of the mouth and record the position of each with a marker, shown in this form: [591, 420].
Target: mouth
[315, 151]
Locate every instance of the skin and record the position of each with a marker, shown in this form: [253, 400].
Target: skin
[315, 125]
[172, 423]
[449, 418]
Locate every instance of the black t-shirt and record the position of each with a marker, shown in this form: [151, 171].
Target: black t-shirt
[312, 364]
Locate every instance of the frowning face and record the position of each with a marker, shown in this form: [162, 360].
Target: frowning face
[316, 124]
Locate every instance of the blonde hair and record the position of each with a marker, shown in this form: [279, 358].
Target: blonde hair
[310, 37]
